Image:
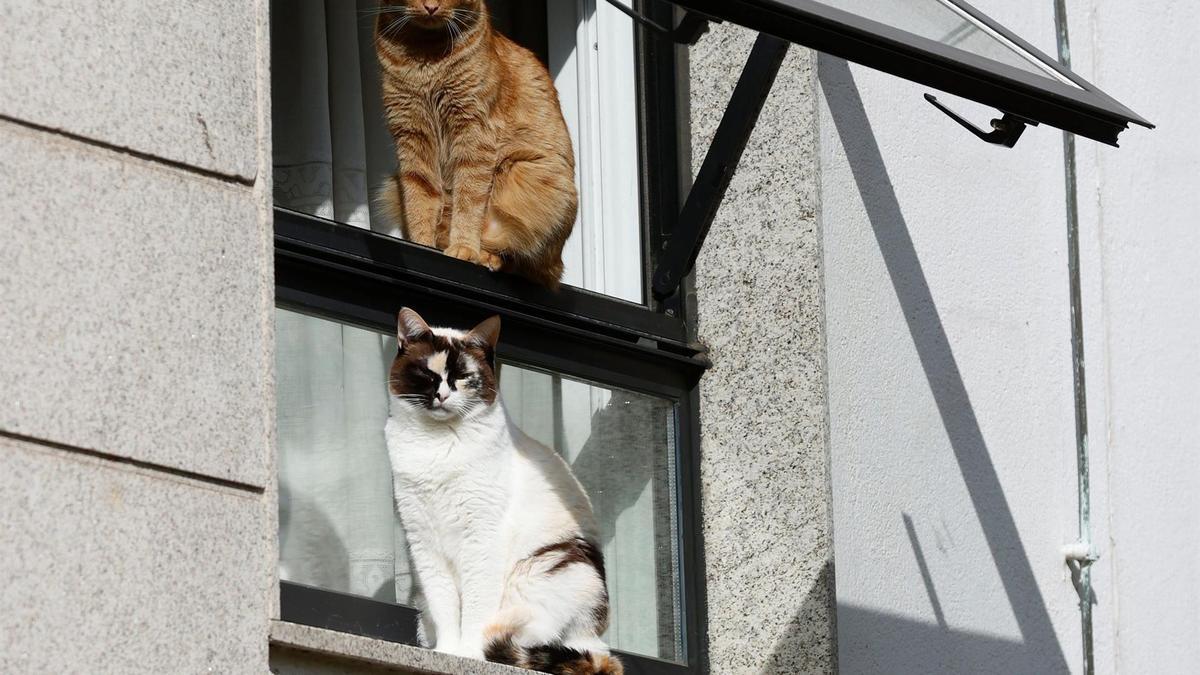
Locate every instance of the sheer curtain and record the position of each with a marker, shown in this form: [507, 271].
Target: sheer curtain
[338, 530]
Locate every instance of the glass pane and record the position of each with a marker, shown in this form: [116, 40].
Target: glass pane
[621, 447]
[337, 524]
[944, 22]
[333, 152]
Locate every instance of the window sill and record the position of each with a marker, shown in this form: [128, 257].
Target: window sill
[369, 652]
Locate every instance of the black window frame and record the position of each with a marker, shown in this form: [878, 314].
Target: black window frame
[1086, 111]
[358, 277]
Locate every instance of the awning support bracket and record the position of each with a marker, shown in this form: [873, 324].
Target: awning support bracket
[688, 32]
[1005, 131]
[724, 153]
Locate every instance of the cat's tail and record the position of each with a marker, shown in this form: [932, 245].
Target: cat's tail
[390, 204]
[558, 659]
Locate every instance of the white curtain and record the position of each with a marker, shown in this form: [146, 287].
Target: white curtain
[338, 529]
[331, 146]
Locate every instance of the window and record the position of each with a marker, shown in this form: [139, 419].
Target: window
[332, 150]
[945, 44]
[338, 529]
[599, 370]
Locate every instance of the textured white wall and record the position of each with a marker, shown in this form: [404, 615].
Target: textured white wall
[1140, 206]
[951, 411]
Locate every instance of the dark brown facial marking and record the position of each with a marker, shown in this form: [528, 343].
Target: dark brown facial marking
[425, 360]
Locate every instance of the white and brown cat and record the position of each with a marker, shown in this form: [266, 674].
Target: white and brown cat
[501, 534]
[486, 170]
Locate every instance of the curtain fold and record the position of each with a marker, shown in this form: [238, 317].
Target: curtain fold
[337, 525]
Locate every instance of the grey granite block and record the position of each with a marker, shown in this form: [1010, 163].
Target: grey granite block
[304, 650]
[765, 470]
[171, 79]
[115, 569]
[137, 302]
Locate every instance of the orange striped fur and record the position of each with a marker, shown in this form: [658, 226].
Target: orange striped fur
[486, 171]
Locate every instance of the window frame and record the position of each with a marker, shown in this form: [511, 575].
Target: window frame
[361, 278]
[1085, 110]
[596, 98]
[343, 287]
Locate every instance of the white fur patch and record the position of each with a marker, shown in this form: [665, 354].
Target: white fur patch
[471, 489]
[437, 363]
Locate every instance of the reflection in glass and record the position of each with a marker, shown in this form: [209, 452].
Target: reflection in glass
[337, 523]
[942, 21]
[621, 446]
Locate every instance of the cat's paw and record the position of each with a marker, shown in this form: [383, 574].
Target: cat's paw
[490, 260]
[463, 252]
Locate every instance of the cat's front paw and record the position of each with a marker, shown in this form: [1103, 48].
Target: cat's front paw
[490, 260]
[463, 252]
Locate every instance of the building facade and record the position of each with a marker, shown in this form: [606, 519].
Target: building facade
[884, 302]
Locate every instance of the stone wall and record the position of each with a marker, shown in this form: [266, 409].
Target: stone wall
[765, 467]
[136, 425]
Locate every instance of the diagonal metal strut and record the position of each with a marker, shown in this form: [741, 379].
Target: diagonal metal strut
[724, 153]
[688, 32]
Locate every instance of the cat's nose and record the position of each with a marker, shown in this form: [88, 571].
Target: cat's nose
[432, 7]
[440, 397]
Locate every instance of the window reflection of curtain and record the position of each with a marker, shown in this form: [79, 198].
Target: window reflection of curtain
[621, 447]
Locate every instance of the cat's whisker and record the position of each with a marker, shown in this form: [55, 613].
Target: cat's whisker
[382, 11]
[394, 27]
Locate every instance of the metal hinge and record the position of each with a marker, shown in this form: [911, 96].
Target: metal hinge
[1005, 131]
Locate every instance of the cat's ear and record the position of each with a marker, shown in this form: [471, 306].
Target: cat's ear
[487, 333]
[410, 327]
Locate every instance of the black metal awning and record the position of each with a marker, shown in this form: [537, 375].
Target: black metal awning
[947, 45]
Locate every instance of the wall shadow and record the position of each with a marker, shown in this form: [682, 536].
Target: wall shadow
[889, 644]
[892, 636]
[802, 649]
[926, 577]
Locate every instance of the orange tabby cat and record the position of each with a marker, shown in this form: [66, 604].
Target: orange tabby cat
[486, 168]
